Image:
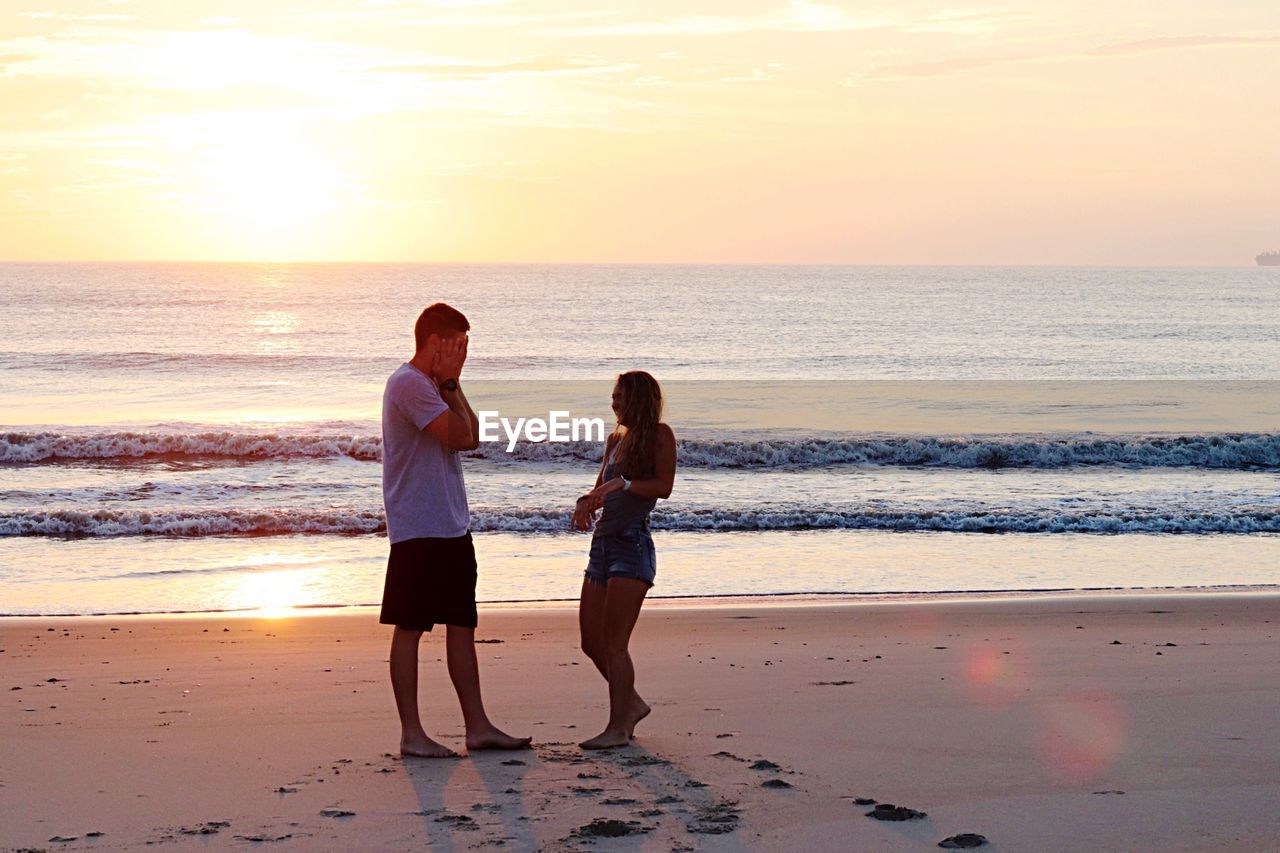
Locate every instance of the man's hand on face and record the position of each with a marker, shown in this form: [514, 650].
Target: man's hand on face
[450, 356]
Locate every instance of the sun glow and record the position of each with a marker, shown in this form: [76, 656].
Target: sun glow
[272, 595]
[263, 187]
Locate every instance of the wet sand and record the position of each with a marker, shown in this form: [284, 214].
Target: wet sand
[1108, 722]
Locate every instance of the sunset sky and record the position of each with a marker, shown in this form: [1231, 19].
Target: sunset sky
[1142, 132]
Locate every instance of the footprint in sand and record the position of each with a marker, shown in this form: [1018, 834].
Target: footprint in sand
[888, 811]
[458, 821]
[609, 828]
[262, 837]
[715, 819]
[964, 840]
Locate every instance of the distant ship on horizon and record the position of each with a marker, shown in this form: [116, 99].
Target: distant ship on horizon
[1268, 259]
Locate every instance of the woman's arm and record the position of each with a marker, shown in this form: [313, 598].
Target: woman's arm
[604, 461]
[585, 509]
[664, 474]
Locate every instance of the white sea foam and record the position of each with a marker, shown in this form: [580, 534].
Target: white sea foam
[17, 447]
[1215, 450]
[187, 523]
[243, 522]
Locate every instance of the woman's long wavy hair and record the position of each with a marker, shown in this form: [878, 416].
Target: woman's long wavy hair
[637, 428]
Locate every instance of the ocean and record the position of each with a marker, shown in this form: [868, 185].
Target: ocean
[195, 437]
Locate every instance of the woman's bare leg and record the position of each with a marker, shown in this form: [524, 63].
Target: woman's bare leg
[623, 599]
[591, 616]
[591, 623]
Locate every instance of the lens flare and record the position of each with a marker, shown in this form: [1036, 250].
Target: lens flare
[1082, 737]
[992, 676]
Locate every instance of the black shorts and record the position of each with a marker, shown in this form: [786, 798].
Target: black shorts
[430, 581]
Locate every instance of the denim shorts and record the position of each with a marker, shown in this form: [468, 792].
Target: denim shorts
[626, 554]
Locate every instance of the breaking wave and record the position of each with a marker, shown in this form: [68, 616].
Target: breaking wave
[235, 522]
[1216, 450]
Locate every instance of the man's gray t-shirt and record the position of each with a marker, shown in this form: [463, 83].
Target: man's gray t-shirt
[422, 486]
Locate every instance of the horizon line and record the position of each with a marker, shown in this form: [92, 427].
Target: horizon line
[353, 262]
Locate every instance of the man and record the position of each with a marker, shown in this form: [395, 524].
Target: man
[431, 574]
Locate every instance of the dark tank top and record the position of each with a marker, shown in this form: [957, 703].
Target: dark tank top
[622, 510]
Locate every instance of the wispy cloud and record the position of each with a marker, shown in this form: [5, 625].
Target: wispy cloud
[109, 83]
[1181, 42]
[103, 17]
[757, 75]
[968, 21]
[464, 16]
[132, 182]
[492, 170]
[958, 65]
[941, 67]
[437, 4]
[457, 70]
[186, 59]
[799, 16]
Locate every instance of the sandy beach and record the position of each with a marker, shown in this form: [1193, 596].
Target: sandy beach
[1115, 722]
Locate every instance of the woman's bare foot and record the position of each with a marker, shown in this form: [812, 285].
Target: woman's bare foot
[642, 710]
[607, 739]
[494, 738]
[421, 746]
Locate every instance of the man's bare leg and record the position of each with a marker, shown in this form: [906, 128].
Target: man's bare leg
[465, 672]
[622, 608]
[591, 616]
[404, 684]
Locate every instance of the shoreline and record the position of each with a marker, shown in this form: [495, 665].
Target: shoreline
[711, 602]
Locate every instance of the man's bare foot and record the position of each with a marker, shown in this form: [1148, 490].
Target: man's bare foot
[421, 746]
[642, 710]
[607, 739]
[495, 738]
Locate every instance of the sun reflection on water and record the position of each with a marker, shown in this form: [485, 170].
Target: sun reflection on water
[271, 595]
[275, 331]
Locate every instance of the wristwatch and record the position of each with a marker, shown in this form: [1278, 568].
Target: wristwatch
[449, 385]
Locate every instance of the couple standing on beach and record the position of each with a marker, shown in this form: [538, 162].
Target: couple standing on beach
[431, 573]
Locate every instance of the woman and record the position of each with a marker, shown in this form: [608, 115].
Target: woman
[639, 467]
